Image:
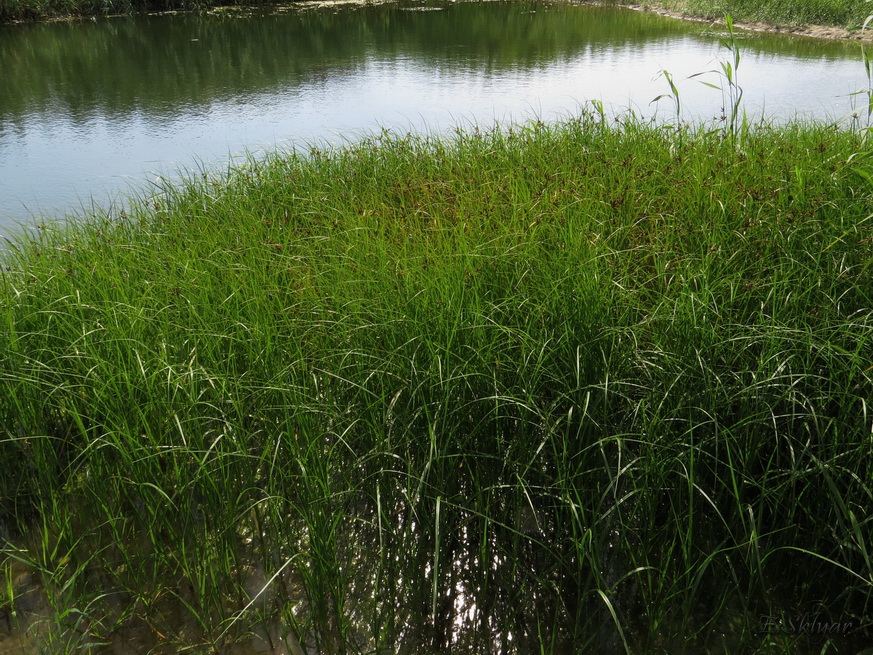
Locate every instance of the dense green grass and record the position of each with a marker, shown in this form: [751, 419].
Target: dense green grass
[555, 388]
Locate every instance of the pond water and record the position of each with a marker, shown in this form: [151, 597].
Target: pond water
[91, 109]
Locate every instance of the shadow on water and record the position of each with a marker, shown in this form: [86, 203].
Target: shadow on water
[164, 65]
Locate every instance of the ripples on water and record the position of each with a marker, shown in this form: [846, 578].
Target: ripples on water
[91, 108]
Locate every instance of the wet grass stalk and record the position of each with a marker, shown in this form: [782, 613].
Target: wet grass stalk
[732, 92]
[868, 92]
[728, 86]
[539, 389]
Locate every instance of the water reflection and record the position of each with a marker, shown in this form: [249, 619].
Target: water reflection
[89, 105]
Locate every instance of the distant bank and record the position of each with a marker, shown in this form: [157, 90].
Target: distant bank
[820, 18]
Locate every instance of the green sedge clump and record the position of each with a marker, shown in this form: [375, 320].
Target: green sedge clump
[580, 387]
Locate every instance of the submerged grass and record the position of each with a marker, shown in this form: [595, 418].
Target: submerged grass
[586, 387]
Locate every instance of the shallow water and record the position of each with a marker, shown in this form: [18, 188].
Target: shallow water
[91, 109]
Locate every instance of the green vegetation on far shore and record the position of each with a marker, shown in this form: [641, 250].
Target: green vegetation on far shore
[583, 387]
[24, 10]
[846, 14]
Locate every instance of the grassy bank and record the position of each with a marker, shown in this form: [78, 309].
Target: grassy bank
[567, 388]
[847, 14]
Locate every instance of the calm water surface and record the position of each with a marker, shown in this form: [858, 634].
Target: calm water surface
[91, 109]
